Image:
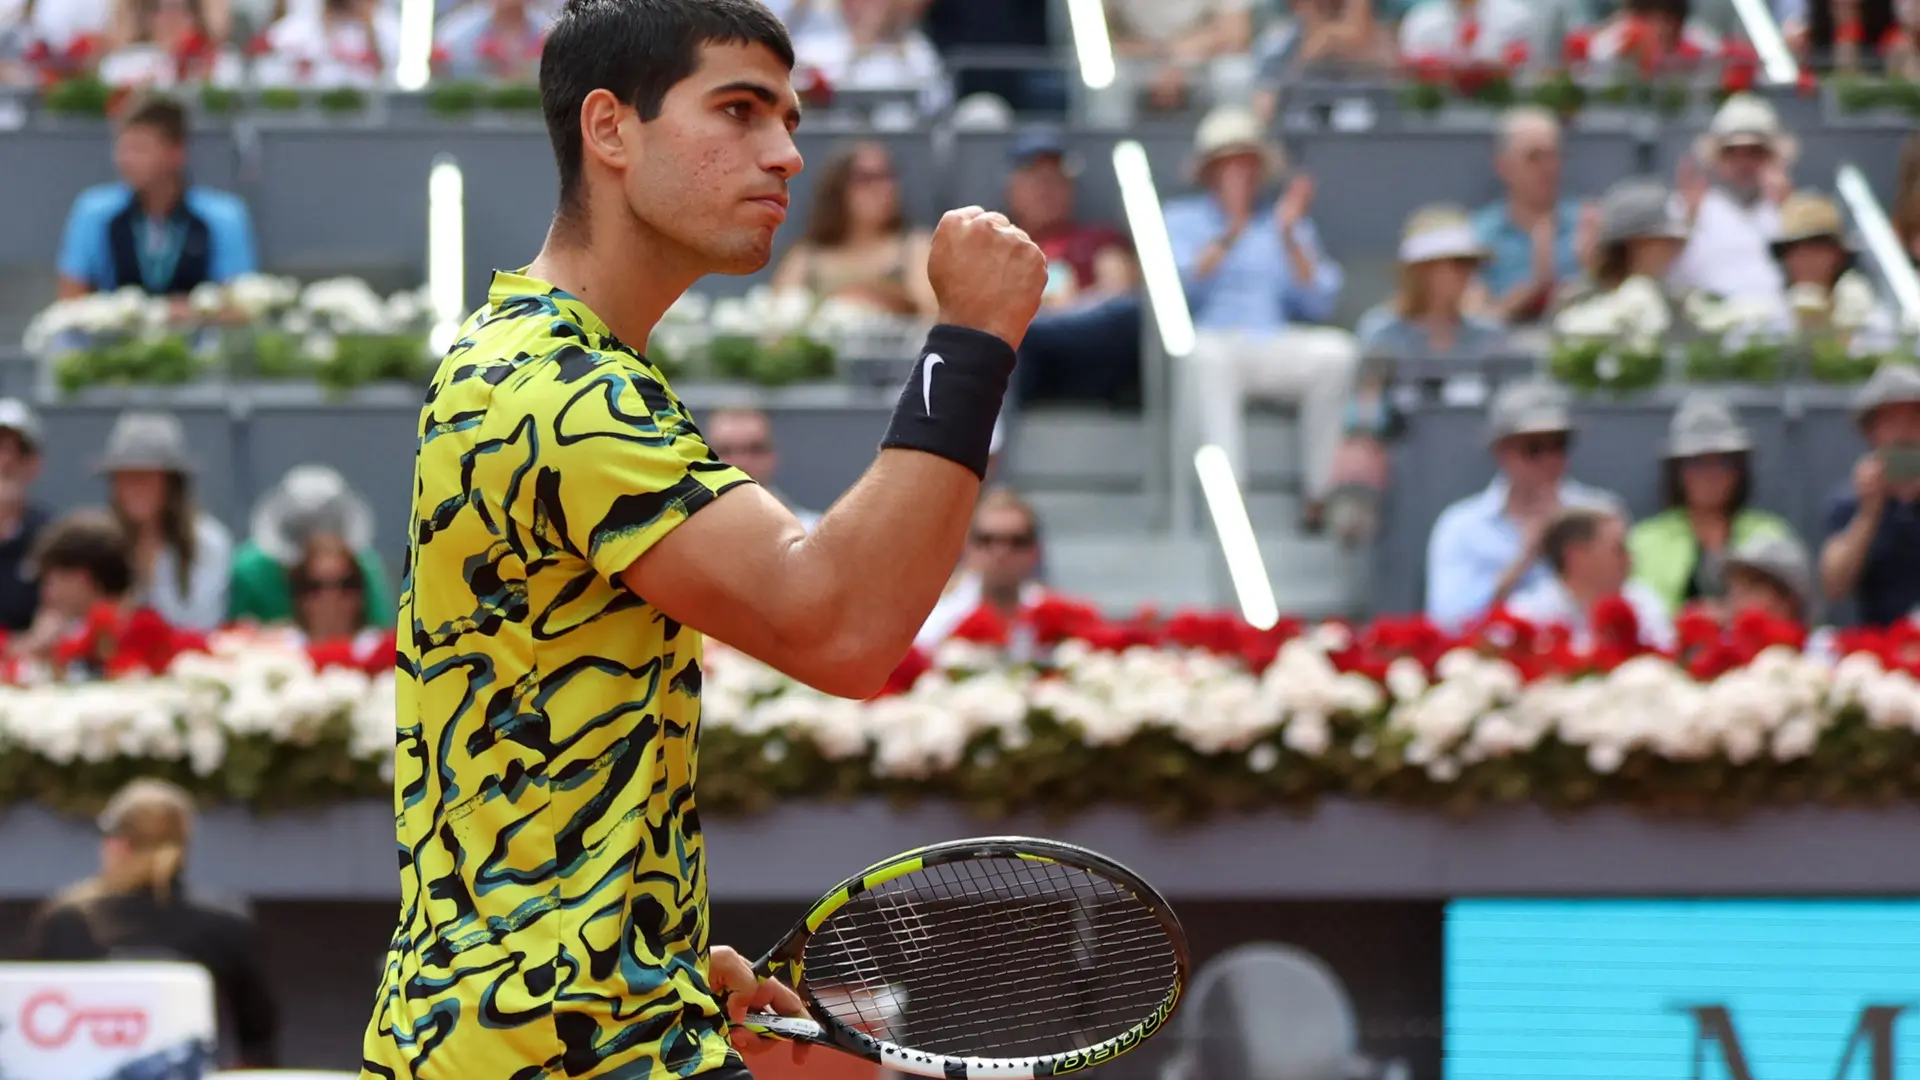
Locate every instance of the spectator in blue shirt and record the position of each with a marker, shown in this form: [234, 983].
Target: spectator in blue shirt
[1872, 553]
[1534, 237]
[1256, 278]
[1486, 548]
[152, 230]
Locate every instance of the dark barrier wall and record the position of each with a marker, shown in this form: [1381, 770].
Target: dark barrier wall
[324, 961]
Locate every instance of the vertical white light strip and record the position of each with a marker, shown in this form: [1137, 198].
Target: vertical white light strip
[1877, 233]
[446, 250]
[1154, 250]
[414, 67]
[1237, 542]
[1092, 44]
[1776, 59]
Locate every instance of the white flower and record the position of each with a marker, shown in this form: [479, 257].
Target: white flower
[1854, 300]
[1595, 317]
[1643, 307]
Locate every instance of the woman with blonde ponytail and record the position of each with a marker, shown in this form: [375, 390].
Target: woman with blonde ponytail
[137, 908]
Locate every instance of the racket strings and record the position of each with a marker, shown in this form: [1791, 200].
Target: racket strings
[999, 957]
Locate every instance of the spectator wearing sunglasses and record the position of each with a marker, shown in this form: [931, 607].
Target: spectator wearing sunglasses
[998, 570]
[309, 501]
[330, 599]
[1681, 553]
[1486, 547]
[743, 438]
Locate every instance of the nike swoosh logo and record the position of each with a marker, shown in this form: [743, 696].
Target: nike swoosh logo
[926, 380]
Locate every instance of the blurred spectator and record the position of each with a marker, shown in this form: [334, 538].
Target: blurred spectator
[181, 557]
[163, 43]
[799, 15]
[1536, 239]
[62, 25]
[874, 45]
[997, 570]
[1253, 274]
[21, 521]
[138, 908]
[1342, 34]
[1653, 33]
[309, 502]
[1467, 31]
[1426, 317]
[1486, 547]
[1771, 575]
[1823, 290]
[1734, 208]
[1639, 234]
[743, 438]
[954, 25]
[1162, 43]
[1085, 346]
[338, 43]
[152, 229]
[1680, 553]
[858, 247]
[330, 606]
[498, 40]
[82, 560]
[1586, 547]
[1872, 552]
[1842, 32]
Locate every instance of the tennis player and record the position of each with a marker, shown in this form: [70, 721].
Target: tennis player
[573, 537]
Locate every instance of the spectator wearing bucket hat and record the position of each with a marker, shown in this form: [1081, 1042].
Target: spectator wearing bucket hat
[21, 521]
[1680, 553]
[1872, 551]
[180, 555]
[1485, 548]
[1641, 233]
[1824, 292]
[1774, 576]
[1732, 187]
[1257, 280]
[308, 502]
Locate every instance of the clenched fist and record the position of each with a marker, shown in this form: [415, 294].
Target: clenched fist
[987, 275]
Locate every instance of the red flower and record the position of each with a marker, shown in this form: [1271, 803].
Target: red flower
[1688, 51]
[1754, 631]
[1055, 619]
[1576, 46]
[1695, 628]
[1429, 70]
[1849, 32]
[259, 45]
[1469, 35]
[984, 627]
[1516, 54]
[1615, 626]
[83, 47]
[1894, 38]
[37, 53]
[333, 654]
[1808, 84]
[911, 667]
[1738, 76]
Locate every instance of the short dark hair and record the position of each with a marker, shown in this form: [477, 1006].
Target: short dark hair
[92, 542]
[1570, 528]
[638, 50]
[163, 116]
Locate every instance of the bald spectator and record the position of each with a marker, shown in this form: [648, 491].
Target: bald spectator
[1533, 236]
[744, 438]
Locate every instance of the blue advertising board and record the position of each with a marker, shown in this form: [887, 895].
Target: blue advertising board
[1682, 989]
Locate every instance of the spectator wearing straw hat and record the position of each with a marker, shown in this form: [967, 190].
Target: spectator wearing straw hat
[138, 908]
[1257, 280]
[1680, 553]
[1824, 292]
[1427, 318]
[310, 501]
[181, 557]
[1731, 188]
[21, 521]
[1872, 551]
[1486, 548]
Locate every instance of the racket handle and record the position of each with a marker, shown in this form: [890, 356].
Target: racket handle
[771, 1026]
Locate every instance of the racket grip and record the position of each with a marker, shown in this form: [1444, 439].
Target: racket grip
[772, 1026]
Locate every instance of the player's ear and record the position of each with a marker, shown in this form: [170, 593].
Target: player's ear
[603, 131]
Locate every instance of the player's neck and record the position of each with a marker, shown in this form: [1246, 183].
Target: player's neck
[602, 274]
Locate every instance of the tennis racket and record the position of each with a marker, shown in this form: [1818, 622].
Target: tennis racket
[1001, 958]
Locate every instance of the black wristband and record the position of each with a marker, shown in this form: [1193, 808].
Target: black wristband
[952, 399]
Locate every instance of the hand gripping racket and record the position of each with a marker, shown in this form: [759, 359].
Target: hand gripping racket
[1001, 958]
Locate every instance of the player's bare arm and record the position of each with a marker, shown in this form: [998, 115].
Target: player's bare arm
[838, 609]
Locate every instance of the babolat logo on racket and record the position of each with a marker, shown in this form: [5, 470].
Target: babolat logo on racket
[1002, 958]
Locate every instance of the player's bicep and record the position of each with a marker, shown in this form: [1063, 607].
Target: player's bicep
[733, 572]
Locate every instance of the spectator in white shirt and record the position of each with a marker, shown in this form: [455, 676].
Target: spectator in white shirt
[1653, 33]
[344, 43]
[60, 23]
[998, 570]
[1735, 205]
[494, 40]
[161, 43]
[1587, 549]
[1466, 31]
[873, 45]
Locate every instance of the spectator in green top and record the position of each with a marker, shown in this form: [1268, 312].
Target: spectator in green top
[1681, 553]
[309, 501]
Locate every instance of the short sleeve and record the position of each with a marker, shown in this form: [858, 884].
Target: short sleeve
[83, 244]
[616, 461]
[232, 234]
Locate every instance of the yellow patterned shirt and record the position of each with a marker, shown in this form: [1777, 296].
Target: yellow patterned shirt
[552, 876]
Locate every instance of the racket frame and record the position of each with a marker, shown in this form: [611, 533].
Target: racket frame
[785, 962]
